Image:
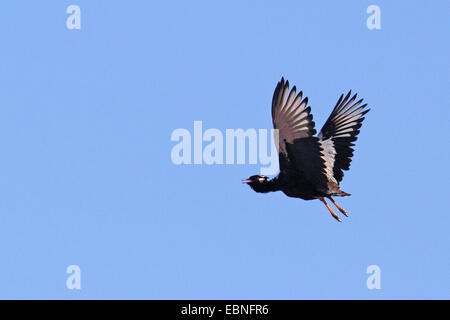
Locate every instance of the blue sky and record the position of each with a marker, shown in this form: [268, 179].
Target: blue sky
[87, 179]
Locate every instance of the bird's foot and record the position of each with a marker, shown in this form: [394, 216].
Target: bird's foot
[334, 215]
[339, 207]
[343, 212]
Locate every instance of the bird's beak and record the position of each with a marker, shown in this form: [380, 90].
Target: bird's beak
[246, 180]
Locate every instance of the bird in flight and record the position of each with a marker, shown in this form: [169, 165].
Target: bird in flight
[311, 167]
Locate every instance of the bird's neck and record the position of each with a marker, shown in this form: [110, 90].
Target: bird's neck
[268, 186]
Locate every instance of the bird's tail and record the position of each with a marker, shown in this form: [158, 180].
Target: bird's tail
[333, 189]
[342, 194]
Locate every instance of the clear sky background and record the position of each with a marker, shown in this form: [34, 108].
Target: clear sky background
[86, 176]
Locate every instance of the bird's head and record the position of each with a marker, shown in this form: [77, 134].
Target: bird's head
[256, 182]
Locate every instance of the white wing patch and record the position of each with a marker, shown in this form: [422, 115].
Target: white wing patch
[328, 155]
[338, 134]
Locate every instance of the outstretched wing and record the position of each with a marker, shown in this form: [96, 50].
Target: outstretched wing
[290, 115]
[338, 134]
[294, 121]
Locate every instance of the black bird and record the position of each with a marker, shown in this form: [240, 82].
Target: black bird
[311, 167]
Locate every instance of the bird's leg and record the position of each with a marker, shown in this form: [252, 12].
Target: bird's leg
[329, 209]
[338, 206]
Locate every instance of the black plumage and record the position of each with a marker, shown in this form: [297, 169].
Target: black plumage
[311, 167]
